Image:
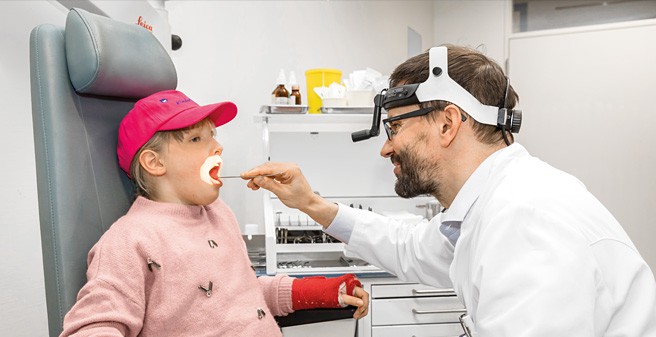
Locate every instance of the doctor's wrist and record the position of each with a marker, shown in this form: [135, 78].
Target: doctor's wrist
[321, 210]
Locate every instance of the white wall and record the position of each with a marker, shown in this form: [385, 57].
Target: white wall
[588, 105]
[233, 50]
[481, 24]
[22, 295]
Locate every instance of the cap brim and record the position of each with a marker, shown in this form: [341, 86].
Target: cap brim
[220, 113]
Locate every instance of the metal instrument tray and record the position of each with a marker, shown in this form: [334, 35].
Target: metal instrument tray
[284, 109]
[348, 110]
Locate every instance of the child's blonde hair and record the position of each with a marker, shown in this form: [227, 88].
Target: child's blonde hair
[143, 186]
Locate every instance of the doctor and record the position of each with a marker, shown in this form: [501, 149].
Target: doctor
[526, 247]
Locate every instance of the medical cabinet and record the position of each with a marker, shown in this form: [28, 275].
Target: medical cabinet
[353, 174]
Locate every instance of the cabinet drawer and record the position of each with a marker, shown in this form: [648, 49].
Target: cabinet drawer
[416, 310]
[407, 290]
[424, 330]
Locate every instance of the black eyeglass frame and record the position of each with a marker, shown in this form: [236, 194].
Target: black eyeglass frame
[421, 112]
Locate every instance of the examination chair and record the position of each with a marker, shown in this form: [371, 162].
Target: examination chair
[84, 78]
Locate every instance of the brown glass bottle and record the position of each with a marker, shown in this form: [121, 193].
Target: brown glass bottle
[280, 95]
[295, 97]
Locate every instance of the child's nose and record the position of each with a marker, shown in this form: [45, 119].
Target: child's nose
[219, 148]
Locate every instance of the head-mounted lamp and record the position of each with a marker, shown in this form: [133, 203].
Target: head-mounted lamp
[439, 86]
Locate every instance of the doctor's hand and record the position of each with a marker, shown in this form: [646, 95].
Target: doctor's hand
[286, 181]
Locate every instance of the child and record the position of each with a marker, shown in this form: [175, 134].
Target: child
[175, 264]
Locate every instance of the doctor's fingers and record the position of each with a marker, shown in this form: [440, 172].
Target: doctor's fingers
[267, 183]
[268, 168]
[252, 185]
[289, 192]
[292, 178]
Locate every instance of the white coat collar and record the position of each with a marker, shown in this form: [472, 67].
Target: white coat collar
[474, 185]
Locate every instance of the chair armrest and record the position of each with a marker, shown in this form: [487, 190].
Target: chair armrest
[309, 316]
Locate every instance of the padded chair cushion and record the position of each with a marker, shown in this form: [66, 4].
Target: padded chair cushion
[96, 66]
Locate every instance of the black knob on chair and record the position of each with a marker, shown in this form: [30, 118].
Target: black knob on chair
[176, 42]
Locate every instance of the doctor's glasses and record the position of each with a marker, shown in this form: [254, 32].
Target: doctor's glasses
[392, 125]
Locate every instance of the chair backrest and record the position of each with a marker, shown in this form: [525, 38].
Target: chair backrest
[85, 77]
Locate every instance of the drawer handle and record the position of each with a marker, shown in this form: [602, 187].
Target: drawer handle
[433, 291]
[451, 311]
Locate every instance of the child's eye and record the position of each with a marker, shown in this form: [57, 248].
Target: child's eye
[195, 139]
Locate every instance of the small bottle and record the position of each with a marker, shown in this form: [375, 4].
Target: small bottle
[295, 97]
[280, 95]
[291, 84]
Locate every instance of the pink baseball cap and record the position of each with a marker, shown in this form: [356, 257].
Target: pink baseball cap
[164, 111]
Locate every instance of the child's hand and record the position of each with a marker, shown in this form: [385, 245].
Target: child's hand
[359, 299]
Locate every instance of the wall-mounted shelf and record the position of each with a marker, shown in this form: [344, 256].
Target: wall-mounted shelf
[315, 122]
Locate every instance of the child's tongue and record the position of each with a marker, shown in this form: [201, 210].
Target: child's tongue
[214, 172]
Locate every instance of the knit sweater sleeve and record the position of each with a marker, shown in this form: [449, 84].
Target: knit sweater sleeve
[101, 310]
[111, 303]
[277, 293]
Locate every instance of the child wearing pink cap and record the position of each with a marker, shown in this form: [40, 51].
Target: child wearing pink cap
[175, 264]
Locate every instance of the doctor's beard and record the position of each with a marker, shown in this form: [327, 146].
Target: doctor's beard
[416, 177]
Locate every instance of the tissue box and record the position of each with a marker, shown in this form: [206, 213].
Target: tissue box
[333, 102]
[360, 98]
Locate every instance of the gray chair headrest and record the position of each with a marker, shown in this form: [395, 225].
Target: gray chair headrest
[110, 58]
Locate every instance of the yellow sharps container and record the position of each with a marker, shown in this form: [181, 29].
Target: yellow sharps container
[321, 77]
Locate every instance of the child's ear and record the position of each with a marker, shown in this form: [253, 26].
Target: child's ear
[151, 162]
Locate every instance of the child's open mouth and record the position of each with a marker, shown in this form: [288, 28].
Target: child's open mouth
[210, 171]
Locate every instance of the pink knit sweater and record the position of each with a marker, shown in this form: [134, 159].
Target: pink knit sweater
[144, 276]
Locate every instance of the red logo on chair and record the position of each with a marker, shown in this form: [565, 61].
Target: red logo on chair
[143, 23]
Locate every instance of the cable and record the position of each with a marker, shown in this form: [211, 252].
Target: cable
[503, 125]
[503, 133]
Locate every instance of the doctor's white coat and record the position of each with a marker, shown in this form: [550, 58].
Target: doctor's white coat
[537, 255]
